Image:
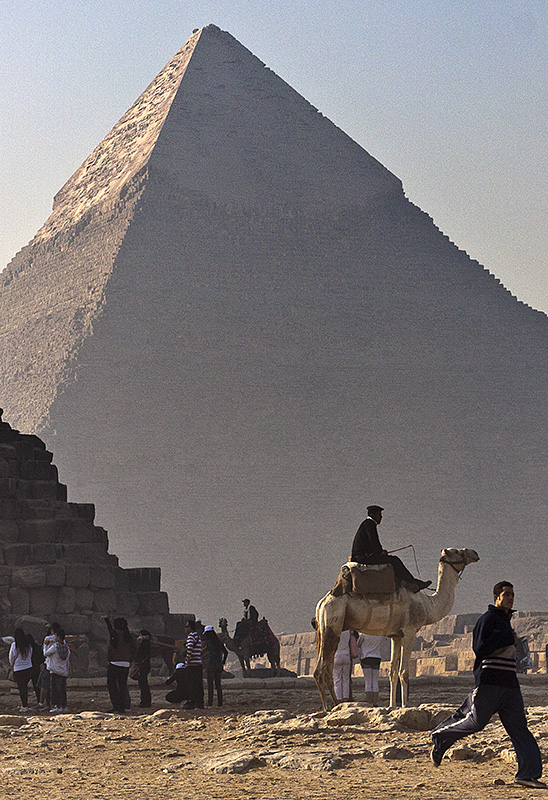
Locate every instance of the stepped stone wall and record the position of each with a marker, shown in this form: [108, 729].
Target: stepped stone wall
[55, 563]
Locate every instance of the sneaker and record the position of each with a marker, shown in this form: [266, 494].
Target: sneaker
[55, 710]
[23, 709]
[65, 709]
[531, 783]
[435, 757]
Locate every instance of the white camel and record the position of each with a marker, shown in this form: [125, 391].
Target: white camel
[399, 615]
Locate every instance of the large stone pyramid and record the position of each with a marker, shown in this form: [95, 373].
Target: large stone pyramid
[235, 331]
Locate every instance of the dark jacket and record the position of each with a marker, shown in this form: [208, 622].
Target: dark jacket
[366, 547]
[493, 642]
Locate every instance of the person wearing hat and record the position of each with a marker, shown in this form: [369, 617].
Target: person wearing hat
[217, 655]
[367, 549]
[250, 612]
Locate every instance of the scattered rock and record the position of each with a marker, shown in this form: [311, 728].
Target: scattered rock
[10, 720]
[308, 758]
[162, 713]
[499, 782]
[508, 754]
[462, 754]
[394, 752]
[347, 714]
[235, 762]
[416, 719]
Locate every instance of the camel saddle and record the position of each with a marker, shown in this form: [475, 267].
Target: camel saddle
[362, 580]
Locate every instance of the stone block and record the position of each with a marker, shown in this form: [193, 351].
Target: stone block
[75, 623]
[8, 469]
[37, 509]
[17, 555]
[152, 603]
[127, 604]
[24, 449]
[102, 577]
[55, 575]
[121, 579]
[10, 509]
[175, 625]
[35, 531]
[77, 575]
[43, 455]
[2, 559]
[20, 600]
[5, 605]
[8, 452]
[144, 579]
[38, 471]
[99, 536]
[66, 600]
[98, 631]
[84, 510]
[84, 599]
[35, 625]
[104, 600]
[75, 553]
[43, 601]
[73, 530]
[153, 624]
[112, 560]
[43, 553]
[5, 575]
[9, 530]
[8, 488]
[36, 490]
[31, 577]
[61, 492]
[95, 553]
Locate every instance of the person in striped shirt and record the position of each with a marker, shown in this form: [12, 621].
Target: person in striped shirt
[195, 687]
[497, 691]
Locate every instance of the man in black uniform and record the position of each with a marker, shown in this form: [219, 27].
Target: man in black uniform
[497, 690]
[367, 549]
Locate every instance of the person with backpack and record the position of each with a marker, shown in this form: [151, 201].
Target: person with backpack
[57, 655]
[20, 658]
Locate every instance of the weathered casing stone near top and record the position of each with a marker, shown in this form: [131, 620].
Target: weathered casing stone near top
[235, 332]
[72, 577]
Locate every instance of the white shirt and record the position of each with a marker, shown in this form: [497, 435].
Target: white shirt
[370, 646]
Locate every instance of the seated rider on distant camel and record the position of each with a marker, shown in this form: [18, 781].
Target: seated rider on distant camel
[367, 549]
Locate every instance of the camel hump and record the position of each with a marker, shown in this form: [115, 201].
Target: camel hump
[365, 580]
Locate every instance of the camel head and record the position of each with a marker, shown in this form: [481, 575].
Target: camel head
[223, 623]
[458, 558]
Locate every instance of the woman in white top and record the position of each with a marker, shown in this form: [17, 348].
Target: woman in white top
[370, 659]
[341, 668]
[20, 658]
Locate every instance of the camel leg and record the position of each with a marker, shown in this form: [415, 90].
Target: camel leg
[323, 674]
[407, 646]
[395, 657]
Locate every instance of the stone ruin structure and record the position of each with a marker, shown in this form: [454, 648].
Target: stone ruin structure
[55, 563]
[235, 331]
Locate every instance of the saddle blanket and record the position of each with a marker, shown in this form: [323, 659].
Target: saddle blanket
[364, 580]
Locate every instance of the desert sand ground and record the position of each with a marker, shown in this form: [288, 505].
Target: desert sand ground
[285, 746]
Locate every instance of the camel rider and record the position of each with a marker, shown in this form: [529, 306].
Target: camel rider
[250, 612]
[367, 549]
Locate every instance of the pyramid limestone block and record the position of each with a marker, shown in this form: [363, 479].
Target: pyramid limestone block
[235, 332]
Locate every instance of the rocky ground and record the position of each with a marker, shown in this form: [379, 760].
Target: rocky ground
[264, 744]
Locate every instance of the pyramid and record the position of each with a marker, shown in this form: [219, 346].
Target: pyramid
[235, 332]
[56, 564]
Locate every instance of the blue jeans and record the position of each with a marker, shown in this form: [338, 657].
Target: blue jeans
[475, 713]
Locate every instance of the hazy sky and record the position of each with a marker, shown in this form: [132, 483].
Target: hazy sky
[452, 97]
